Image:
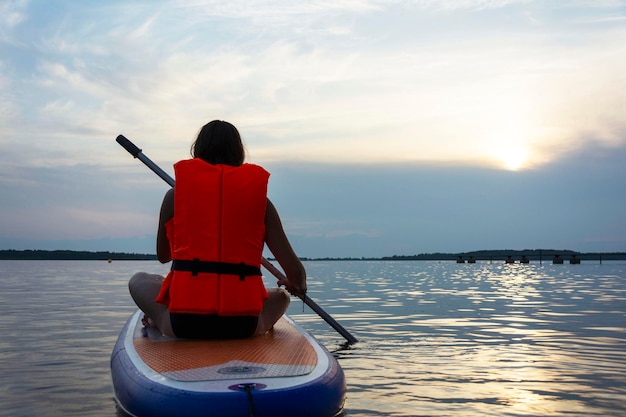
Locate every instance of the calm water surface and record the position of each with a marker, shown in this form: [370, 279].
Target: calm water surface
[437, 339]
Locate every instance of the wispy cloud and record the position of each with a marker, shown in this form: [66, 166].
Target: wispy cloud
[325, 80]
[450, 5]
[12, 13]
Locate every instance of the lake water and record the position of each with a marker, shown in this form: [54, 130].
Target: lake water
[436, 338]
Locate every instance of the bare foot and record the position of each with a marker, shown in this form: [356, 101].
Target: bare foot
[147, 321]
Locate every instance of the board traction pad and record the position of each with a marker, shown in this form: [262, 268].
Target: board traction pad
[282, 352]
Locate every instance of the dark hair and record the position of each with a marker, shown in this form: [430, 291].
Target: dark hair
[219, 142]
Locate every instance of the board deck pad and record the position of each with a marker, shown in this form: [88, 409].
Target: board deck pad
[281, 352]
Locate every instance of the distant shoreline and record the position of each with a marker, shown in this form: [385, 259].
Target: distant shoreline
[71, 255]
[482, 255]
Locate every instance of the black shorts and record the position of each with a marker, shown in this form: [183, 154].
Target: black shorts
[211, 326]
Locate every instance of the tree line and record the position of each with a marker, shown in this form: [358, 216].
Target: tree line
[484, 255]
[70, 255]
[503, 254]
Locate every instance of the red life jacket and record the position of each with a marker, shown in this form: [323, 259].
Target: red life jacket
[216, 240]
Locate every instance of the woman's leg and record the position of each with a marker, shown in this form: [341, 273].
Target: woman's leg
[144, 288]
[273, 309]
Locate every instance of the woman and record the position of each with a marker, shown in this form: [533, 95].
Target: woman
[213, 225]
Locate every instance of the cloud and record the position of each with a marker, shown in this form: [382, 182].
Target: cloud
[343, 210]
[11, 15]
[450, 5]
[275, 10]
[413, 208]
[79, 202]
[323, 94]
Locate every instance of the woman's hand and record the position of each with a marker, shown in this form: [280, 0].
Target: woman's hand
[298, 291]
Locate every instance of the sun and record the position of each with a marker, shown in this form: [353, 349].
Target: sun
[514, 162]
[512, 158]
[510, 131]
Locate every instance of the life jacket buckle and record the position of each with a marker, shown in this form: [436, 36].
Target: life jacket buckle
[195, 267]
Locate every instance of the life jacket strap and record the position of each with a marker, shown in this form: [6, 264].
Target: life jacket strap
[196, 266]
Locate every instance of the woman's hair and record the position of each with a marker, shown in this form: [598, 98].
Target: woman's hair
[219, 142]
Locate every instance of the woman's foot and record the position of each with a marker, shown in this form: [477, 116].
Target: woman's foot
[147, 322]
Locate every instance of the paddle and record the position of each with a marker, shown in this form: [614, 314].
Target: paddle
[136, 152]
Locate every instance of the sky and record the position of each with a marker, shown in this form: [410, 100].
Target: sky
[389, 127]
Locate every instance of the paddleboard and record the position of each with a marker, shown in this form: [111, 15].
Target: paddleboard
[286, 372]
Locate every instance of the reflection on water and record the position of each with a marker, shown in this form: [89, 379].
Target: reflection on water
[436, 339]
[59, 323]
[441, 339]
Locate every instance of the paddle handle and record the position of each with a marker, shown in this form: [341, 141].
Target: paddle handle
[128, 145]
[138, 154]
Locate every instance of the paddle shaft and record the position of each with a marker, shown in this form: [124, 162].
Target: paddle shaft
[312, 305]
[138, 154]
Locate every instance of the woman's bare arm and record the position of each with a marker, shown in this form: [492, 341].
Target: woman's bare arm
[279, 245]
[167, 212]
